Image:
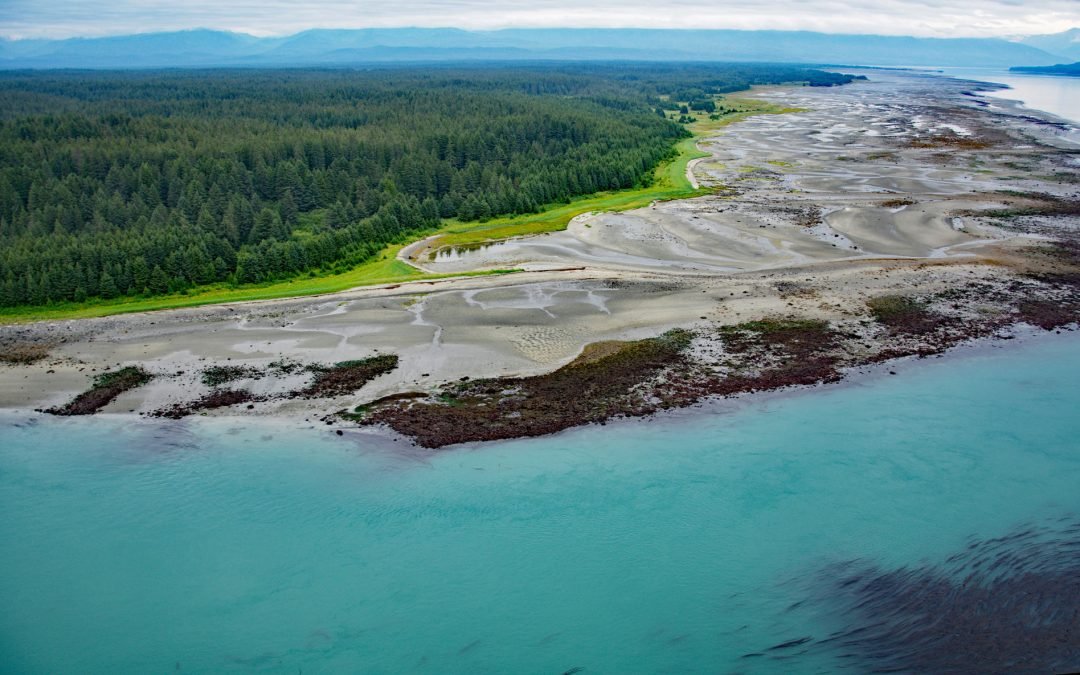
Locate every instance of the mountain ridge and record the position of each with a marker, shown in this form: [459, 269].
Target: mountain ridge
[320, 46]
[1065, 44]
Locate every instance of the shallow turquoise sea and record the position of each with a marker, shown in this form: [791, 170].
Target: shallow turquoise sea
[676, 544]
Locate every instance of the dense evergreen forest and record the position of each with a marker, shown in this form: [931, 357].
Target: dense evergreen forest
[146, 183]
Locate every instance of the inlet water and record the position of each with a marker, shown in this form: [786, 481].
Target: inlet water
[1055, 94]
[677, 544]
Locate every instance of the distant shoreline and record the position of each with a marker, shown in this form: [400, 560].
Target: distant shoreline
[1061, 69]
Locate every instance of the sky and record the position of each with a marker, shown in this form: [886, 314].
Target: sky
[933, 18]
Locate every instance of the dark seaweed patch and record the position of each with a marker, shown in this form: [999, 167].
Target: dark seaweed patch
[221, 398]
[611, 380]
[106, 388]
[1048, 314]
[777, 353]
[948, 140]
[285, 366]
[591, 389]
[23, 353]
[1004, 605]
[215, 376]
[1033, 204]
[795, 338]
[347, 376]
[896, 203]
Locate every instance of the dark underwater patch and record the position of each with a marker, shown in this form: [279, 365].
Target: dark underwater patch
[1004, 605]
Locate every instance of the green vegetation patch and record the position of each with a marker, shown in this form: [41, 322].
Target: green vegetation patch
[904, 314]
[382, 271]
[106, 388]
[669, 182]
[892, 309]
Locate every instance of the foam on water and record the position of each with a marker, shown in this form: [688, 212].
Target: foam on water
[669, 545]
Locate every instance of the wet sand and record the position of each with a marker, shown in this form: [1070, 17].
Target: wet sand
[875, 189]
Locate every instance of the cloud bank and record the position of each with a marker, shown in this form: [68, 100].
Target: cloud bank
[933, 18]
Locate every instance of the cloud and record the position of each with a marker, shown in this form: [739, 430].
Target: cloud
[956, 18]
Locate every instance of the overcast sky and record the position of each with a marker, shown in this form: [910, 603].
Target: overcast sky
[948, 18]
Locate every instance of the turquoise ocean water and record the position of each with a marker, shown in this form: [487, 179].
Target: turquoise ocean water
[671, 545]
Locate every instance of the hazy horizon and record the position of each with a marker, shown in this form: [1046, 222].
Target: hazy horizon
[27, 19]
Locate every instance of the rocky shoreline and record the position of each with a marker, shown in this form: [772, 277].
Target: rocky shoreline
[682, 367]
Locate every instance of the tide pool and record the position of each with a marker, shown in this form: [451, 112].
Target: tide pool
[676, 544]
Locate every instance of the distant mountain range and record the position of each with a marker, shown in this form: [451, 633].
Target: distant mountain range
[1065, 44]
[207, 48]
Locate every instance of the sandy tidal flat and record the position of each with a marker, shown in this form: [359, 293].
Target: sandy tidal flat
[881, 186]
